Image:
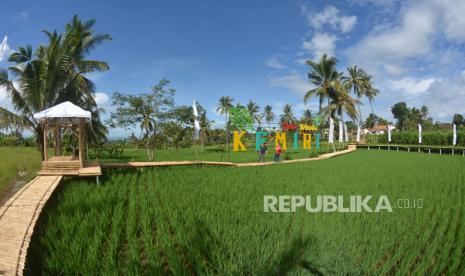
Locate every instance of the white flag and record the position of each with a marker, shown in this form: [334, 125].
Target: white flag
[4, 48]
[194, 108]
[358, 133]
[419, 134]
[454, 138]
[389, 133]
[196, 122]
[331, 131]
[346, 134]
[196, 129]
[341, 132]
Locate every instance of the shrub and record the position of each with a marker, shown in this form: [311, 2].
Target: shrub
[433, 138]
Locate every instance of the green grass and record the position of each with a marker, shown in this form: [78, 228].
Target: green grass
[213, 153]
[18, 163]
[210, 220]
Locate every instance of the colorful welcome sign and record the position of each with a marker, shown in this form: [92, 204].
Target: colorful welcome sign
[240, 118]
[281, 137]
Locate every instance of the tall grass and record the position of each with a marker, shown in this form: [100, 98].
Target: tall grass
[208, 220]
[18, 163]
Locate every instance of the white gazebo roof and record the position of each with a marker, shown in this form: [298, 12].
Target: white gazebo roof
[63, 110]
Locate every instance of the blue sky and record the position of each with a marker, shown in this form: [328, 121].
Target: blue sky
[255, 49]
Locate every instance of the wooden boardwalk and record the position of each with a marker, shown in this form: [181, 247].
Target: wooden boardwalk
[228, 164]
[19, 214]
[18, 217]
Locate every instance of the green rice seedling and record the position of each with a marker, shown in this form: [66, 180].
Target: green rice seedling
[210, 220]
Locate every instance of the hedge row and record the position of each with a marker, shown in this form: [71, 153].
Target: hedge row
[15, 141]
[435, 138]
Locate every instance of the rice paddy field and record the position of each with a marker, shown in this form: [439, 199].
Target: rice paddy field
[215, 153]
[18, 164]
[210, 220]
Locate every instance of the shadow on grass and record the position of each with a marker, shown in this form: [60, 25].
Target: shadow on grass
[293, 258]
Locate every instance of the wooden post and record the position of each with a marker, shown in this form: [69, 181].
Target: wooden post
[45, 141]
[81, 141]
[56, 140]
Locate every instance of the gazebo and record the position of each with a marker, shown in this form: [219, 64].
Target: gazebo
[67, 116]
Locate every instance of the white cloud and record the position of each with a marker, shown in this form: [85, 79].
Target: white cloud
[410, 39]
[100, 98]
[292, 82]
[383, 3]
[331, 16]
[424, 28]
[411, 86]
[3, 94]
[320, 44]
[274, 63]
[5, 52]
[453, 21]
[393, 70]
[301, 61]
[445, 97]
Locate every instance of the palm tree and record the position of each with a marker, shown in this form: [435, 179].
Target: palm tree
[269, 115]
[287, 115]
[307, 116]
[342, 103]
[324, 76]
[224, 105]
[254, 110]
[205, 128]
[54, 73]
[370, 91]
[355, 83]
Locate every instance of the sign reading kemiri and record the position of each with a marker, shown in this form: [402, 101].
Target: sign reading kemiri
[281, 137]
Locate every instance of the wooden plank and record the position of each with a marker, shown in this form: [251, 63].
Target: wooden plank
[45, 141]
[81, 141]
[213, 163]
[17, 222]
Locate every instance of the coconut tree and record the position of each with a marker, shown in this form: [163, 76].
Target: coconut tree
[269, 115]
[355, 83]
[307, 116]
[223, 107]
[205, 127]
[54, 73]
[343, 103]
[370, 91]
[324, 76]
[287, 114]
[339, 103]
[254, 110]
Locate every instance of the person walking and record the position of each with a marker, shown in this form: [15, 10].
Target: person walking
[263, 151]
[278, 151]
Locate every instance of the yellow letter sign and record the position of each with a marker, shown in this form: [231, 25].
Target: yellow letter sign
[238, 146]
[307, 141]
[281, 139]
